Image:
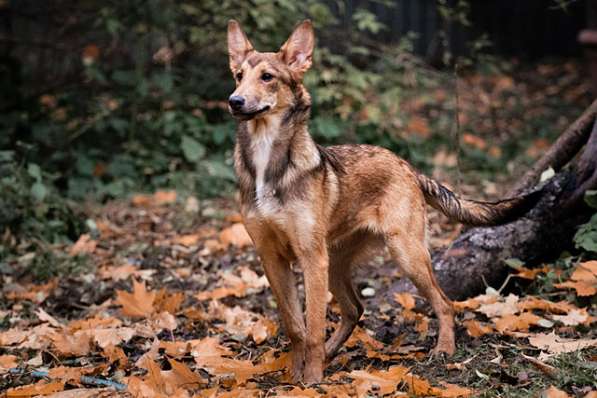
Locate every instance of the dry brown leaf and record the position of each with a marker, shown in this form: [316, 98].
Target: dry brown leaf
[583, 279]
[7, 362]
[78, 344]
[475, 328]
[84, 245]
[512, 323]
[383, 382]
[452, 390]
[531, 274]
[475, 302]
[582, 288]
[474, 141]
[159, 198]
[115, 354]
[242, 322]
[93, 323]
[238, 286]
[84, 393]
[500, 308]
[554, 344]
[553, 392]
[535, 303]
[235, 235]
[119, 272]
[45, 317]
[32, 292]
[419, 126]
[138, 304]
[12, 337]
[169, 302]
[591, 266]
[32, 390]
[105, 337]
[187, 240]
[360, 335]
[406, 300]
[573, 318]
[181, 376]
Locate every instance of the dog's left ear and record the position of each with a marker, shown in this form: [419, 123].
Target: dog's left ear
[297, 52]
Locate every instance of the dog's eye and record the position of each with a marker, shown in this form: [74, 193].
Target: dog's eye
[266, 77]
[239, 76]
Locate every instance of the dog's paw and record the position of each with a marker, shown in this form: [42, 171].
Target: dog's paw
[446, 349]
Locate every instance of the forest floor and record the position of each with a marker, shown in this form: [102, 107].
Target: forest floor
[172, 301]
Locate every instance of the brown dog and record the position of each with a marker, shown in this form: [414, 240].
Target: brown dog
[325, 209]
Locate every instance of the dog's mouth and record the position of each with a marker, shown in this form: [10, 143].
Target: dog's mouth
[249, 115]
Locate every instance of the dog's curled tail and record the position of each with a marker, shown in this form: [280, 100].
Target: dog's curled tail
[472, 212]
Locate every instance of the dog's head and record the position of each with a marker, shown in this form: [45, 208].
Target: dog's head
[266, 83]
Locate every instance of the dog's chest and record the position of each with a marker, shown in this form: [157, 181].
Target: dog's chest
[262, 150]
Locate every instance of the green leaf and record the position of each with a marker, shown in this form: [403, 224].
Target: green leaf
[34, 171]
[38, 191]
[191, 148]
[586, 236]
[514, 263]
[591, 198]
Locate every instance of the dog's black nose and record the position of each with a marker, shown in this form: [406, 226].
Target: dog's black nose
[236, 102]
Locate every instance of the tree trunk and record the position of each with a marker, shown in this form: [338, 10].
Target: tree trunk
[476, 258]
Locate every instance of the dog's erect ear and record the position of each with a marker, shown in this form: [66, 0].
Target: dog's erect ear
[297, 52]
[238, 45]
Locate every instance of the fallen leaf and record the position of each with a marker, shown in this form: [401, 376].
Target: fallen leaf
[583, 279]
[554, 344]
[500, 308]
[115, 354]
[187, 240]
[12, 337]
[520, 322]
[235, 235]
[159, 198]
[535, 303]
[406, 300]
[531, 274]
[582, 288]
[7, 362]
[78, 344]
[181, 376]
[475, 328]
[553, 392]
[138, 304]
[169, 302]
[238, 286]
[45, 317]
[84, 245]
[41, 388]
[573, 318]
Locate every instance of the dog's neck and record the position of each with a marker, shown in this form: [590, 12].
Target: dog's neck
[273, 151]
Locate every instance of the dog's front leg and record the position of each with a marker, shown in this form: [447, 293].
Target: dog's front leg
[315, 268]
[283, 284]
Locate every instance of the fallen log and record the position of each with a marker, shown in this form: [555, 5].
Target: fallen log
[476, 258]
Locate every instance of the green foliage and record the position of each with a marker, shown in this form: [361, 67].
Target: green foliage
[586, 236]
[33, 218]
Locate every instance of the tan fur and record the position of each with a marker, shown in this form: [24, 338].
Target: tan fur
[324, 209]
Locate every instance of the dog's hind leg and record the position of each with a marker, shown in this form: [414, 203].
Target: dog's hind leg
[415, 262]
[351, 308]
[342, 260]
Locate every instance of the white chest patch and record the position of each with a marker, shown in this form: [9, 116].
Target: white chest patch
[262, 150]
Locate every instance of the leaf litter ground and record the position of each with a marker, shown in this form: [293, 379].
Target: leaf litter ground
[176, 305]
